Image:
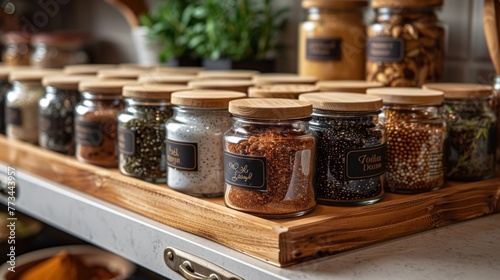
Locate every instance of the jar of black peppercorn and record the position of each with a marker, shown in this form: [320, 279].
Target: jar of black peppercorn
[416, 132]
[351, 148]
[96, 121]
[141, 131]
[471, 124]
[269, 155]
[56, 113]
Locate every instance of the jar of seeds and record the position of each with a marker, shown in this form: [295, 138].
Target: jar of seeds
[405, 46]
[269, 155]
[141, 131]
[471, 124]
[22, 104]
[416, 133]
[96, 121]
[56, 113]
[194, 141]
[351, 148]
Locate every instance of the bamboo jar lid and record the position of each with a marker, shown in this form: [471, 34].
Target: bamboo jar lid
[205, 98]
[343, 102]
[153, 92]
[4, 74]
[86, 69]
[120, 74]
[270, 108]
[225, 75]
[135, 66]
[347, 86]
[231, 85]
[284, 79]
[165, 78]
[179, 70]
[31, 75]
[290, 91]
[333, 4]
[111, 87]
[461, 91]
[408, 96]
[66, 82]
[406, 3]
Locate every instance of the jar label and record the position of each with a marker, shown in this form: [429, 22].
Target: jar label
[385, 49]
[89, 133]
[248, 172]
[126, 141]
[182, 155]
[14, 116]
[323, 49]
[365, 163]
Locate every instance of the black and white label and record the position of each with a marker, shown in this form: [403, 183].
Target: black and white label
[182, 155]
[14, 116]
[248, 172]
[89, 133]
[126, 141]
[323, 48]
[385, 49]
[365, 163]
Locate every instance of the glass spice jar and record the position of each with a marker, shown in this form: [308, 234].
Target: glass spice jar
[4, 87]
[96, 121]
[351, 148]
[58, 49]
[17, 50]
[56, 113]
[288, 91]
[195, 156]
[496, 107]
[347, 86]
[405, 46]
[22, 104]
[141, 131]
[332, 40]
[416, 132]
[471, 124]
[269, 155]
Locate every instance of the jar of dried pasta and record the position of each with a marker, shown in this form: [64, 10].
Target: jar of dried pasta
[17, 50]
[58, 49]
[405, 46]
[269, 155]
[416, 132]
[332, 40]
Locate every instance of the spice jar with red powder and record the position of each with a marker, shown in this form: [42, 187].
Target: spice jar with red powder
[269, 158]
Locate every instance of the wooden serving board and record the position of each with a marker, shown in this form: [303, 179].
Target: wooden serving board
[327, 230]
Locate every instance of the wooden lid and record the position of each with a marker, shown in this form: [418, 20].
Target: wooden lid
[205, 98]
[333, 4]
[343, 102]
[230, 74]
[86, 69]
[284, 79]
[155, 92]
[232, 85]
[289, 91]
[461, 91]
[408, 96]
[406, 3]
[112, 74]
[135, 66]
[31, 75]
[165, 78]
[65, 81]
[270, 108]
[105, 86]
[347, 86]
[4, 74]
[180, 70]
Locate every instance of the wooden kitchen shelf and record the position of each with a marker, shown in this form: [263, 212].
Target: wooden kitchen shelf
[327, 230]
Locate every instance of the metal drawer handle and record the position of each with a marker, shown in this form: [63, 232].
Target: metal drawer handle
[186, 270]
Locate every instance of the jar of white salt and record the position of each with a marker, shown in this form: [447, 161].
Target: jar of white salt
[195, 155]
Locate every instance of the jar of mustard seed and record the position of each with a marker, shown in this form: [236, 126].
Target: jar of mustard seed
[195, 155]
[471, 124]
[416, 133]
[332, 40]
[96, 123]
[405, 46]
[269, 155]
[351, 148]
[141, 131]
[56, 113]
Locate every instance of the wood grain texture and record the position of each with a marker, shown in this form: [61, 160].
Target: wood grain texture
[327, 230]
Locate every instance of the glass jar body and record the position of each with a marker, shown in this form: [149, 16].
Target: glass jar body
[405, 47]
[496, 107]
[415, 148]
[22, 111]
[351, 155]
[195, 155]
[56, 120]
[141, 139]
[470, 149]
[47, 56]
[96, 129]
[16, 54]
[332, 44]
[4, 88]
[269, 167]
